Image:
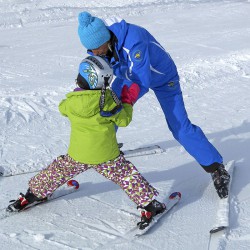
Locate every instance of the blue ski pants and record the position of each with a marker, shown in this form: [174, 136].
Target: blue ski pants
[190, 136]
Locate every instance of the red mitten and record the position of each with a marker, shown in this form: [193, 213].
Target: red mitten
[130, 94]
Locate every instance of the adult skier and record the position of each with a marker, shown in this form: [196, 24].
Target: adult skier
[137, 57]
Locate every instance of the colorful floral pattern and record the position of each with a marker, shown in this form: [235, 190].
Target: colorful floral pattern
[120, 171]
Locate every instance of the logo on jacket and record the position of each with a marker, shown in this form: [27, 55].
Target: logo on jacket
[171, 84]
[137, 55]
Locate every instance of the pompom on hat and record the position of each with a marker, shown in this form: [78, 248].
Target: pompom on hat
[92, 31]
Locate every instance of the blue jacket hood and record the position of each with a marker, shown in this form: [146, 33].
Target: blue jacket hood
[142, 59]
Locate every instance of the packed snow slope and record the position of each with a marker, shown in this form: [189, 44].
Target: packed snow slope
[39, 56]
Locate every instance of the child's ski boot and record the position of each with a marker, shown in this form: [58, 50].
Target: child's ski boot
[24, 201]
[148, 212]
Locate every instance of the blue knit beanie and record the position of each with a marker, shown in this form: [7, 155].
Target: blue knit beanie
[92, 31]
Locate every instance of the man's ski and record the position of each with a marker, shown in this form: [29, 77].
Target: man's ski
[70, 187]
[222, 218]
[148, 150]
[171, 201]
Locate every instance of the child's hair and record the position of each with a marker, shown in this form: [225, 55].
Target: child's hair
[81, 82]
[94, 72]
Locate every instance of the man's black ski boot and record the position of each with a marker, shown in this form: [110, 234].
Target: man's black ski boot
[148, 212]
[221, 180]
[23, 201]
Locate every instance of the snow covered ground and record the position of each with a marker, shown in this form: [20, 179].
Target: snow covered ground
[40, 52]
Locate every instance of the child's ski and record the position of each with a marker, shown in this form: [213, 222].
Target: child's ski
[170, 202]
[148, 150]
[6, 171]
[70, 187]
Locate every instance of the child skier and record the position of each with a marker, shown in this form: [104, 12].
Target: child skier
[94, 111]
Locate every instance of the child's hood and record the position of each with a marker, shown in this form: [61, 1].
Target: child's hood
[83, 103]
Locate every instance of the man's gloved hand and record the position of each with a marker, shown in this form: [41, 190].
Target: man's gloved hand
[130, 94]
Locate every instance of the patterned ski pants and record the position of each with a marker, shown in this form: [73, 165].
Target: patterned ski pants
[120, 171]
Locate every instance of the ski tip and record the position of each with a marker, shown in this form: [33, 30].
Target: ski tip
[174, 195]
[73, 183]
[217, 229]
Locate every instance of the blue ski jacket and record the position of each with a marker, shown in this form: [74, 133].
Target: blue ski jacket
[141, 58]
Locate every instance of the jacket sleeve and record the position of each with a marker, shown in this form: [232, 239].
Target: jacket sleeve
[124, 117]
[63, 107]
[141, 70]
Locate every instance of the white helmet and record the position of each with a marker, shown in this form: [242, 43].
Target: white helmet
[94, 72]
